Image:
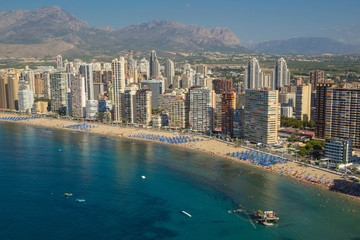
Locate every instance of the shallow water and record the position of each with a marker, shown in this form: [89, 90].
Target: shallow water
[38, 165]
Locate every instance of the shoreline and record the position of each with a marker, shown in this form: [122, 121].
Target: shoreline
[212, 147]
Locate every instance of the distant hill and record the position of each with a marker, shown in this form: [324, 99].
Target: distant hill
[304, 45]
[39, 30]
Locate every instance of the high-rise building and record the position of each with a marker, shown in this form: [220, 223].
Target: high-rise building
[78, 98]
[97, 76]
[87, 70]
[201, 112]
[320, 109]
[222, 85]
[218, 112]
[202, 69]
[118, 71]
[29, 76]
[143, 106]
[281, 75]
[177, 112]
[343, 114]
[58, 86]
[39, 84]
[228, 107]
[46, 82]
[143, 69]
[129, 103]
[154, 64]
[238, 130]
[316, 76]
[156, 69]
[3, 93]
[169, 73]
[26, 99]
[253, 75]
[157, 87]
[262, 118]
[13, 88]
[303, 102]
[59, 62]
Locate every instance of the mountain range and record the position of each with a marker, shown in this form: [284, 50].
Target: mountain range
[49, 28]
[305, 45]
[49, 31]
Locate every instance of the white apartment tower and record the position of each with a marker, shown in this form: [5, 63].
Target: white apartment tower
[169, 73]
[26, 98]
[118, 71]
[281, 75]
[201, 103]
[253, 76]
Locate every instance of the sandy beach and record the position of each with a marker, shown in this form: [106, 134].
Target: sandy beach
[211, 146]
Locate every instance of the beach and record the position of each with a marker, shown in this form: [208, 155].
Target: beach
[195, 142]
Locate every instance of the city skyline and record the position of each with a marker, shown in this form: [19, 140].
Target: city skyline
[336, 20]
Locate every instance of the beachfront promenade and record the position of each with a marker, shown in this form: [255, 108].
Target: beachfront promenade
[245, 154]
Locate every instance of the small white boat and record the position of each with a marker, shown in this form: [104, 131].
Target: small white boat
[186, 213]
[80, 200]
[143, 177]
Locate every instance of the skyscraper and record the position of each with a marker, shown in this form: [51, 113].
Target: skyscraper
[201, 109]
[253, 75]
[303, 102]
[87, 70]
[143, 106]
[343, 114]
[58, 86]
[281, 75]
[153, 58]
[320, 109]
[46, 82]
[129, 103]
[262, 118]
[13, 88]
[59, 62]
[26, 99]
[228, 107]
[202, 69]
[316, 76]
[169, 73]
[3, 93]
[118, 71]
[238, 124]
[157, 87]
[78, 98]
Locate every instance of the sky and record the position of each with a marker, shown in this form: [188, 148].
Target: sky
[252, 21]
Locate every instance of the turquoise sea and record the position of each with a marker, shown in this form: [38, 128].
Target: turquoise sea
[39, 165]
